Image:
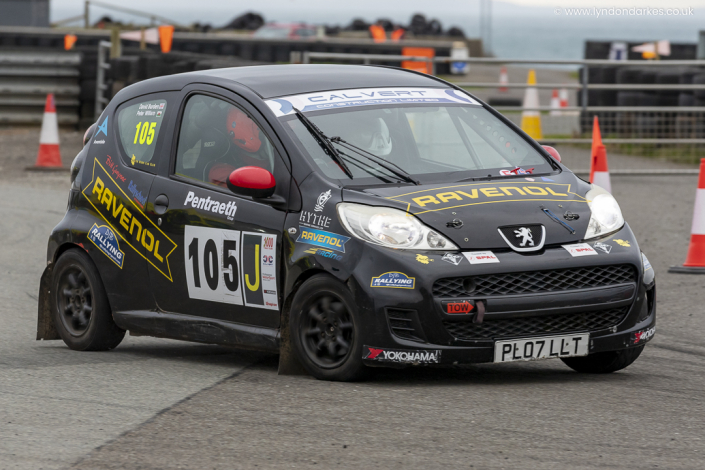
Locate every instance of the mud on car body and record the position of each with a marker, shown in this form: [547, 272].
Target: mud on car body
[345, 216]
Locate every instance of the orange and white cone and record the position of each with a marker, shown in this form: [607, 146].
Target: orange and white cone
[563, 98]
[503, 80]
[555, 104]
[599, 172]
[531, 117]
[49, 156]
[695, 261]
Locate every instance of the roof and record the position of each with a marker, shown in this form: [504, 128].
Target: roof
[271, 81]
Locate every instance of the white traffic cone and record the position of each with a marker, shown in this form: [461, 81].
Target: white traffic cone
[555, 104]
[695, 260]
[531, 117]
[49, 156]
[503, 80]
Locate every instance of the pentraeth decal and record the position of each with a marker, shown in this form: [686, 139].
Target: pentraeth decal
[127, 220]
[106, 241]
[451, 197]
[366, 97]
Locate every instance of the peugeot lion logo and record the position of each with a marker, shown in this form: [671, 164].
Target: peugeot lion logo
[525, 235]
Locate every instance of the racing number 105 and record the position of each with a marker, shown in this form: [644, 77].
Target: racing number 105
[145, 132]
[210, 264]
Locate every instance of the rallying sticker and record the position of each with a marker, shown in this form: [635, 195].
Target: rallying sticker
[418, 356]
[322, 238]
[393, 279]
[126, 219]
[106, 241]
[366, 97]
[451, 197]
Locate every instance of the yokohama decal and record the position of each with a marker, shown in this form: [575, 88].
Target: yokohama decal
[404, 357]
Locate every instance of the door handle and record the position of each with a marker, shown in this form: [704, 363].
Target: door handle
[161, 204]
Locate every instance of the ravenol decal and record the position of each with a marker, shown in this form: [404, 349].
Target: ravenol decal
[451, 197]
[322, 238]
[395, 280]
[127, 220]
[106, 241]
[365, 97]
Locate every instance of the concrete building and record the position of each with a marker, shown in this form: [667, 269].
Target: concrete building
[24, 12]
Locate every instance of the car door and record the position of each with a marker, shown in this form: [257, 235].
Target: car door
[226, 264]
[120, 168]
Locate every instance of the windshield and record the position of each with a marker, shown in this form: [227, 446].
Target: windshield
[433, 143]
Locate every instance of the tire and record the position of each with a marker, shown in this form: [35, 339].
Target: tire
[325, 330]
[82, 313]
[604, 362]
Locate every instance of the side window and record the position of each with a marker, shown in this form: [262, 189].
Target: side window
[138, 126]
[218, 137]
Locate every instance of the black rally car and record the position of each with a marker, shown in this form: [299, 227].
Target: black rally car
[346, 216]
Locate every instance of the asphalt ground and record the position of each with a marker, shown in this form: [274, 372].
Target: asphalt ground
[157, 404]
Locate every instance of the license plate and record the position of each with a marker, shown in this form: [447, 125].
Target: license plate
[533, 349]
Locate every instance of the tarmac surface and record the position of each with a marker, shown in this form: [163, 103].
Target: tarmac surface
[157, 404]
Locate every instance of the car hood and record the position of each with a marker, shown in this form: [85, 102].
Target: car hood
[480, 208]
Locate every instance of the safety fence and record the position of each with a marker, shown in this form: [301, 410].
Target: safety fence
[655, 108]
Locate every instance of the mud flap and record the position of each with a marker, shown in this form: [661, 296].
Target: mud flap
[288, 362]
[45, 320]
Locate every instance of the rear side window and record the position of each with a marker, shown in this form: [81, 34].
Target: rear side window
[139, 125]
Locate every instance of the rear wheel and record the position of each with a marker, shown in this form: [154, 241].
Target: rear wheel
[325, 329]
[82, 314]
[604, 362]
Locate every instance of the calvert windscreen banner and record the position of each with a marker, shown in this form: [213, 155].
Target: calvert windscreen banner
[366, 97]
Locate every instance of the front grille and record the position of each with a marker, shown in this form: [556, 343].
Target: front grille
[534, 281]
[405, 324]
[539, 325]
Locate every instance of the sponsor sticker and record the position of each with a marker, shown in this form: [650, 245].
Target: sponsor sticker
[481, 257]
[365, 97]
[621, 242]
[516, 171]
[452, 258]
[643, 335]
[103, 128]
[311, 219]
[603, 247]
[137, 194]
[423, 259]
[646, 262]
[104, 238]
[458, 307]
[580, 249]
[127, 220]
[418, 356]
[99, 142]
[211, 205]
[324, 253]
[323, 239]
[321, 201]
[395, 280]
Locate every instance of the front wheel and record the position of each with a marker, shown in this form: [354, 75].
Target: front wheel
[604, 362]
[325, 330]
[82, 313]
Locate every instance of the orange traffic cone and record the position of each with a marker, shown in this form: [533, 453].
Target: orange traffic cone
[563, 98]
[166, 38]
[695, 261]
[503, 80]
[555, 103]
[49, 156]
[70, 41]
[599, 173]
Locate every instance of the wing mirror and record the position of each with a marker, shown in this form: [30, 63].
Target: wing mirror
[252, 181]
[552, 152]
[89, 133]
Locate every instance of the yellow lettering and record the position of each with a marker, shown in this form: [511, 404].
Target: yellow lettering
[472, 195]
[490, 192]
[555, 194]
[423, 200]
[506, 189]
[139, 227]
[116, 208]
[98, 184]
[255, 286]
[445, 197]
[125, 218]
[156, 254]
[107, 198]
[145, 234]
[539, 191]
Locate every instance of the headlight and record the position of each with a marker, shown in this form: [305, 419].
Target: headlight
[390, 227]
[606, 215]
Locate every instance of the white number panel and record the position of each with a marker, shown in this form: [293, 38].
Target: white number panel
[259, 270]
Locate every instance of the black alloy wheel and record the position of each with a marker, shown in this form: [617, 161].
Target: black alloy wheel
[75, 300]
[326, 331]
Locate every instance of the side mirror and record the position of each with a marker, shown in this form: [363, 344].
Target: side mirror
[252, 181]
[552, 152]
[89, 134]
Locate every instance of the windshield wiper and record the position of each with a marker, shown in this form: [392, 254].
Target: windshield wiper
[389, 166]
[324, 142]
